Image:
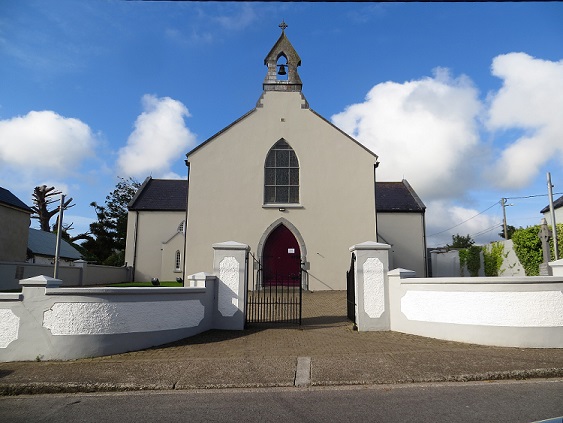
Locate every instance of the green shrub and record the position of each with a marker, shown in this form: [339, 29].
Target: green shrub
[493, 258]
[527, 246]
[470, 257]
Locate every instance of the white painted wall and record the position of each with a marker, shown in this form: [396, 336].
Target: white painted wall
[405, 233]
[337, 205]
[48, 322]
[521, 312]
[524, 312]
[147, 233]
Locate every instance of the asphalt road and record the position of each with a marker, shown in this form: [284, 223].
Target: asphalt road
[497, 402]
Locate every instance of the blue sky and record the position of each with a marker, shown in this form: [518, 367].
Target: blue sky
[463, 100]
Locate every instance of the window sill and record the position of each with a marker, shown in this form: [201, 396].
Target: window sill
[282, 206]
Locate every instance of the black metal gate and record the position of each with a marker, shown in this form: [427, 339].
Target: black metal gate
[351, 291]
[275, 298]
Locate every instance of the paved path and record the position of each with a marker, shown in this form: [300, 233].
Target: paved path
[325, 350]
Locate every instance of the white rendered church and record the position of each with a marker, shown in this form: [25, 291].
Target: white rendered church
[283, 180]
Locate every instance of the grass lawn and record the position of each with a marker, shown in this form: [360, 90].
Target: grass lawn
[173, 284]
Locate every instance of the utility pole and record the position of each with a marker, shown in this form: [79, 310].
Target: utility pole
[59, 233]
[552, 212]
[503, 204]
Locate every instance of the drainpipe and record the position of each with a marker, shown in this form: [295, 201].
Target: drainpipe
[375, 166]
[186, 225]
[424, 244]
[135, 244]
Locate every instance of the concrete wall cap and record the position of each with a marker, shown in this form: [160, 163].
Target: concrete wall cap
[200, 276]
[41, 280]
[230, 245]
[11, 296]
[370, 245]
[402, 273]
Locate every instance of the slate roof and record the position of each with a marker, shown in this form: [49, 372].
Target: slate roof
[170, 195]
[556, 204]
[397, 197]
[45, 243]
[6, 197]
[161, 195]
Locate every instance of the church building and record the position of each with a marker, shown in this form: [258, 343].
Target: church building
[285, 181]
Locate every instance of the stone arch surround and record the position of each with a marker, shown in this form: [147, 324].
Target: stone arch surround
[292, 228]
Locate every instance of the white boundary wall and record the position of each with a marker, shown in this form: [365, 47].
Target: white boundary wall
[503, 311]
[47, 322]
[79, 273]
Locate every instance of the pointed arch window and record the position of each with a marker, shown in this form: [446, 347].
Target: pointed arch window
[181, 227]
[281, 175]
[177, 261]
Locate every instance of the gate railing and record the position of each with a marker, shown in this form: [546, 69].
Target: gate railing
[276, 300]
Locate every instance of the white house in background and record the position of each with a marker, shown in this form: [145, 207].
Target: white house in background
[14, 225]
[283, 180]
[41, 247]
[156, 227]
[558, 209]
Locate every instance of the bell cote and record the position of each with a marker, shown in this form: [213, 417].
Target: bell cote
[282, 62]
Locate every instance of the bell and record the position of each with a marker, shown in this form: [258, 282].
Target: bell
[282, 70]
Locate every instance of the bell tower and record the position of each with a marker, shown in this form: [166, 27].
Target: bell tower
[282, 62]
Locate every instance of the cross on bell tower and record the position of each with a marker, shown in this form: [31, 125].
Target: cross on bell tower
[282, 51]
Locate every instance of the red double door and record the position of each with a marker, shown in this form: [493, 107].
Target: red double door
[281, 258]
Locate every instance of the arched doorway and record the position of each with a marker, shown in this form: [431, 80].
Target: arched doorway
[281, 258]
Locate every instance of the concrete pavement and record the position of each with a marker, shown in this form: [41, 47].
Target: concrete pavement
[325, 350]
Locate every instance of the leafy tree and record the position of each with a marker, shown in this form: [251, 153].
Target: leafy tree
[110, 230]
[509, 231]
[460, 241]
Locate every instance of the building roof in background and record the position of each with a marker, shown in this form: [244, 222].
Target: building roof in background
[556, 204]
[7, 198]
[161, 194]
[397, 197]
[45, 243]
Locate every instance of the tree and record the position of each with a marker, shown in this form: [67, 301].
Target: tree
[43, 197]
[509, 231]
[460, 241]
[109, 231]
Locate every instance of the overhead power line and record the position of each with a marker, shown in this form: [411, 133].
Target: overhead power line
[487, 209]
[532, 196]
[467, 220]
[484, 231]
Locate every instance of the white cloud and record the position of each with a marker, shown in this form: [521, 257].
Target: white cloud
[160, 138]
[531, 99]
[241, 17]
[422, 130]
[43, 144]
[444, 214]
